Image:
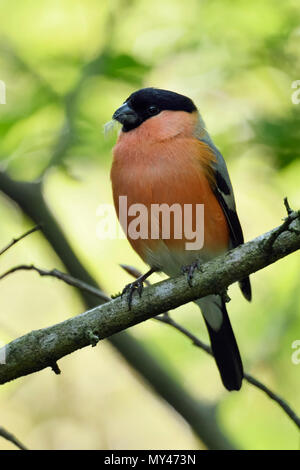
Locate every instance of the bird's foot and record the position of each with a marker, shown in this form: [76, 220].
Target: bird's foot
[189, 270]
[136, 286]
[129, 289]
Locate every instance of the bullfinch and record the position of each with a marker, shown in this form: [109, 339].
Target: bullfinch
[165, 158]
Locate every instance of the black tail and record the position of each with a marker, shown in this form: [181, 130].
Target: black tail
[245, 287]
[226, 353]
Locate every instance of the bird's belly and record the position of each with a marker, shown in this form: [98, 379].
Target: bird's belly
[170, 260]
[173, 178]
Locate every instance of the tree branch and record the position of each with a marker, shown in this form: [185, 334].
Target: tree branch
[11, 438]
[67, 278]
[166, 318]
[163, 318]
[41, 348]
[16, 240]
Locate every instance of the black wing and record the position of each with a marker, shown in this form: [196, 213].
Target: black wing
[236, 233]
[224, 194]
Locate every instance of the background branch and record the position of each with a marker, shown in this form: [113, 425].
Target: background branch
[16, 240]
[11, 438]
[165, 318]
[67, 278]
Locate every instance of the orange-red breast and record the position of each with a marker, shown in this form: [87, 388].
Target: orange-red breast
[164, 155]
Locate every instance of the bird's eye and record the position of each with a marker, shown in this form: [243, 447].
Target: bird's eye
[153, 110]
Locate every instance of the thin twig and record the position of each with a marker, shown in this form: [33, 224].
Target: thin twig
[285, 226]
[16, 240]
[280, 401]
[134, 272]
[252, 380]
[11, 438]
[67, 278]
[287, 206]
[165, 318]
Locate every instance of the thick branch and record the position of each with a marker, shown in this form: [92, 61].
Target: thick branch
[42, 348]
[164, 318]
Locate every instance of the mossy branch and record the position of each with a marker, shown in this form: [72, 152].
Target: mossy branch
[43, 348]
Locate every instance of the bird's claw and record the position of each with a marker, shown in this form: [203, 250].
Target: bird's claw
[135, 286]
[189, 270]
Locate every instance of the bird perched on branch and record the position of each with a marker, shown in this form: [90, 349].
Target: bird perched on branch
[165, 169]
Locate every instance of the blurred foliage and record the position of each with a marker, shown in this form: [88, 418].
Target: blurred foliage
[67, 65]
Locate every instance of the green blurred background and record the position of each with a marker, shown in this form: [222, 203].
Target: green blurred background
[67, 66]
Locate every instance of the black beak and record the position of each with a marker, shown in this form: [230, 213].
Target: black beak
[126, 116]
